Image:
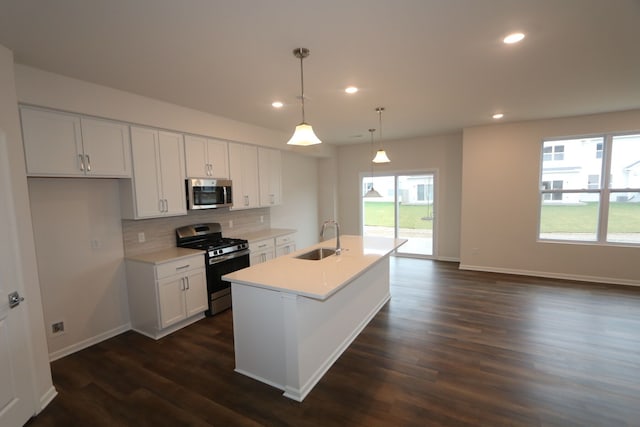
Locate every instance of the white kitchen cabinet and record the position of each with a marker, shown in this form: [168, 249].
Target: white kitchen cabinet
[158, 184]
[261, 251]
[270, 176]
[206, 157]
[166, 294]
[243, 170]
[71, 145]
[285, 244]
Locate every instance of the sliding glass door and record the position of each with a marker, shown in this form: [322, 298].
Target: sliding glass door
[405, 209]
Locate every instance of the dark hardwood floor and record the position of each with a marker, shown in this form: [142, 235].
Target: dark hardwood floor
[451, 348]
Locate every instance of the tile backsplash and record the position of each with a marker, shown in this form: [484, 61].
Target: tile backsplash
[160, 233]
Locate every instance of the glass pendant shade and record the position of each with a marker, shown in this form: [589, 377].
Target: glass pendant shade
[381, 157]
[304, 136]
[372, 193]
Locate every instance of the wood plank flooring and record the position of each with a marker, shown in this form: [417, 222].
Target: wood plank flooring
[451, 348]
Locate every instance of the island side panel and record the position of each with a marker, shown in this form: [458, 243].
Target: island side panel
[318, 332]
[259, 334]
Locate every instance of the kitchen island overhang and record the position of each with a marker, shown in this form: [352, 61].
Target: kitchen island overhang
[293, 318]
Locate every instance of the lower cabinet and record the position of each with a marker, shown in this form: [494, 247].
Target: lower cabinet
[261, 251]
[166, 295]
[266, 249]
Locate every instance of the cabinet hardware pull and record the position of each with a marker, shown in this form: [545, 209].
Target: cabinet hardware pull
[183, 267]
[187, 281]
[88, 163]
[166, 205]
[81, 157]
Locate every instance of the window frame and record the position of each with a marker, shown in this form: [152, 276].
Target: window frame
[604, 191]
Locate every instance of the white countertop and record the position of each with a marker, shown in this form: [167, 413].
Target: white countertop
[318, 279]
[269, 233]
[165, 255]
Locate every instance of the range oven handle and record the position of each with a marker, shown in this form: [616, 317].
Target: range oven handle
[223, 258]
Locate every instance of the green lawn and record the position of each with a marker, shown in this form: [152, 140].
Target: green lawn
[623, 217]
[381, 214]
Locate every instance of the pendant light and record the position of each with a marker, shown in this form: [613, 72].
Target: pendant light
[372, 192]
[303, 135]
[381, 155]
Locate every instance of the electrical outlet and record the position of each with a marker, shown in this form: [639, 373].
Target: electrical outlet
[230, 223]
[141, 237]
[57, 328]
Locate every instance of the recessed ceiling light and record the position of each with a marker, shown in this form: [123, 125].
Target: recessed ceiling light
[277, 104]
[498, 116]
[351, 89]
[513, 38]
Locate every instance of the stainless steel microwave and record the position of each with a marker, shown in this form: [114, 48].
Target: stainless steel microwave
[208, 193]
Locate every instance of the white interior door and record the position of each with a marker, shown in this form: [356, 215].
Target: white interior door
[17, 402]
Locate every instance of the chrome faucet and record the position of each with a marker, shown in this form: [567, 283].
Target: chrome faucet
[332, 222]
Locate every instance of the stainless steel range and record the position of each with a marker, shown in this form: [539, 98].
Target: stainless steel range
[223, 255]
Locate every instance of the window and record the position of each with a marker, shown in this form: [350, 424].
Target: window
[589, 199]
[553, 152]
[599, 151]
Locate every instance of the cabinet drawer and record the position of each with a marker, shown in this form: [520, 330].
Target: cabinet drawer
[179, 266]
[283, 240]
[261, 245]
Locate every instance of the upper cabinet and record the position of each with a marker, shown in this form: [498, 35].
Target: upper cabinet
[70, 145]
[270, 169]
[206, 157]
[158, 184]
[243, 169]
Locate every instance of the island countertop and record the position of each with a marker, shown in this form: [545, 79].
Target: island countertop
[322, 278]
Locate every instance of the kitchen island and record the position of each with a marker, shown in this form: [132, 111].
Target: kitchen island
[293, 318]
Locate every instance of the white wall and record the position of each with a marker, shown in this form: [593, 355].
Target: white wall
[78, 237]
[501, 166]
[10, 124]
[442, 154]
[299, 209]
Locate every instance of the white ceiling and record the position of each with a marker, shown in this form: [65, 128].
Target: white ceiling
[435, 65]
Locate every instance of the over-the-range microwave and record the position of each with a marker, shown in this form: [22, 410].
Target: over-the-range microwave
[208, 193]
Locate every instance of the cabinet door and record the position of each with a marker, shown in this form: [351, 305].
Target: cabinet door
[106, 148]
[171, 295]
[146, 178]
[243, 169]
[218, 155]
[52, 143]
[172, 178]
[196, 298]
[260, 257]
[195, 149]
[270, 168]
[285, 249]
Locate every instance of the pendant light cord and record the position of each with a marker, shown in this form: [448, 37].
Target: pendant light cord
[302, 86]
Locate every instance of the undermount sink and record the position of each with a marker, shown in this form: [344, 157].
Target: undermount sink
[317, 254]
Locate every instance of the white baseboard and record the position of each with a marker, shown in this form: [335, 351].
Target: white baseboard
[46, 398]
[88, 342]
[550, 275]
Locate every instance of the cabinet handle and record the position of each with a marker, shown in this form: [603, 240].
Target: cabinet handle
[273, 198]
[187, 281]
[183, 267]
[81, 157]
[246, 200]
[88, 163]
[209, 169]
[166, 205]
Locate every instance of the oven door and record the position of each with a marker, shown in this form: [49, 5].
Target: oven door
[220, 290]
